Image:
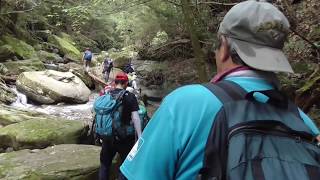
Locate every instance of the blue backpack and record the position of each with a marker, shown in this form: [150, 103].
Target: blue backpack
[88, 55]
[252, 140]
[108, 109]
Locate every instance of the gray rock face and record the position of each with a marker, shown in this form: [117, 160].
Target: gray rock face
[67, 161]
[48, 87]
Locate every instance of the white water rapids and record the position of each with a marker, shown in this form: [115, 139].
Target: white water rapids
[69, 111]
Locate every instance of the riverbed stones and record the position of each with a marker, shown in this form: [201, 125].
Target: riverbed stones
[41, 132]
[67, 161]
[49, 87]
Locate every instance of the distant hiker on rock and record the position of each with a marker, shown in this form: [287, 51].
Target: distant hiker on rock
[132, 85]
[107, 66]
[86, 58]
[117, 123]
[240, 126]
[128, 68]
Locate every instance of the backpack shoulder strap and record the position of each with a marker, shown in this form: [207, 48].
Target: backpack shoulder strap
[226, 91]
[215, 151]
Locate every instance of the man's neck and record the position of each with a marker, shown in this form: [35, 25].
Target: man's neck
[119, 86]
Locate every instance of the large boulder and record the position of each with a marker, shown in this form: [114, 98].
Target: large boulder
[21, 49]
[66, 46]
[17, 67]
[47, 57]
[67, 161]
[48, 87]
[41, 132]
[7, 96]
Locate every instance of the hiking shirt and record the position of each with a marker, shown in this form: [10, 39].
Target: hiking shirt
[129, 103]
[172, 145]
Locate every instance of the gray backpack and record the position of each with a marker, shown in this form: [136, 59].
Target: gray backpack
[251, 140]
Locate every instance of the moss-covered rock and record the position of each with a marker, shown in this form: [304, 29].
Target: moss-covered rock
[7, 95]
[6, 52]
[61, 162]
[20, 48]
[47, 57]
[41, 132]
[66, 46]
[17, 67]
[48, 87]
[10, 115]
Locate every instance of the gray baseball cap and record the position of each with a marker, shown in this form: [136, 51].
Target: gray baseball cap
[258, 30]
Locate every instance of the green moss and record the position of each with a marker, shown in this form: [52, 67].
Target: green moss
[40, 133]
[17, 67]
[21, 48]
[66, 47]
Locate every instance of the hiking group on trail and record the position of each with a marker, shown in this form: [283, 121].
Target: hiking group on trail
[239, 126]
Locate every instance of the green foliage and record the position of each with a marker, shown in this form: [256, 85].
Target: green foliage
[66, 46]
[22, 49]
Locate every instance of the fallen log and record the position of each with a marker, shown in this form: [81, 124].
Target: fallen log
[98, 80]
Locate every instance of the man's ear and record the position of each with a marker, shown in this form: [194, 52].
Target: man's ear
[224, 49]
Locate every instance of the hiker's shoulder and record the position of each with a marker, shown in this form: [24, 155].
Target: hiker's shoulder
[194, 93]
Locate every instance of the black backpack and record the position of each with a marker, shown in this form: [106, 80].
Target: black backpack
[251, 140]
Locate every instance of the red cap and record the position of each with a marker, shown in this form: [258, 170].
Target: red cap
[122, 76]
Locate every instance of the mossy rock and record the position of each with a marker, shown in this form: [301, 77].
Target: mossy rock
[7, 96]
[17, 67]
[10, 115]
[66, 47]
[41, 132]
[6, 52]
[47, 57]
[60, 162]
[20, 48]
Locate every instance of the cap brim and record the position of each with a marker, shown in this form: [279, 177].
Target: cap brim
[262, 57]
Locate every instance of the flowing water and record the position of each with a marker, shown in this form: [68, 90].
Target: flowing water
[69, 111]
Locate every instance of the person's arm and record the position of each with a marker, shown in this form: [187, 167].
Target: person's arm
[136, 122]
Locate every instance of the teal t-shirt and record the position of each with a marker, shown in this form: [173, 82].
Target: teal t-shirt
[172, 145]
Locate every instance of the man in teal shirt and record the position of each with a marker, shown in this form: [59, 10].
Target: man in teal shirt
[251, 37]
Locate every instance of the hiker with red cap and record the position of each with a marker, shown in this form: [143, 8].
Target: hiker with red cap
[117, 123]
[240, 126]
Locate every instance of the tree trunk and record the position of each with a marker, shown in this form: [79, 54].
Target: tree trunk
[190, 24]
